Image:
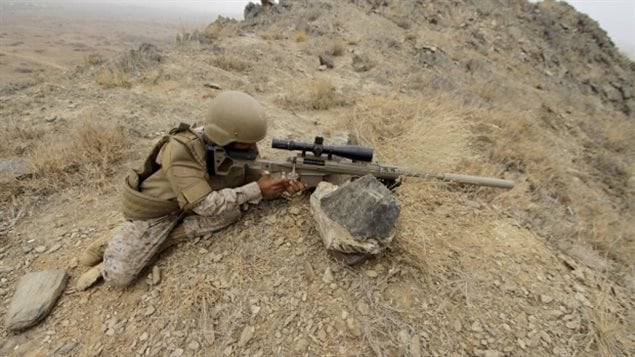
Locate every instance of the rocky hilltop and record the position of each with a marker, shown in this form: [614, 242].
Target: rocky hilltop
[536, 93]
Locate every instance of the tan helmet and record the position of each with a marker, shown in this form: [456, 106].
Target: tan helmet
[235, 117]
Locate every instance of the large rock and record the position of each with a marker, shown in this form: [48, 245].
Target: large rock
[34, 298]
[14, 168]
[358, 217]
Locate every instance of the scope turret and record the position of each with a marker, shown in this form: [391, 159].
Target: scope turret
[353, 152]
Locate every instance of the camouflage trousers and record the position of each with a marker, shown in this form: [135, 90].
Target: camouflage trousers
[137, 242]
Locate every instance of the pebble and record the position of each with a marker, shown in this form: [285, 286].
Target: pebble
[246, 335]
[327, 277]
[404, 337]
[177, 352]
[194, 346]
[371, 273]
[143, 337]
[55, 248]
[353, 327]
[149, 311]
[476, 327]
[156, 275]
[301, 345]
[545, 299]
[40, 249]
[573, 324]
[522, 343]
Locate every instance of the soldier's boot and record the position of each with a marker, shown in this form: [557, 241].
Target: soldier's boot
[95, 251]
[89, 278]
[93, 275]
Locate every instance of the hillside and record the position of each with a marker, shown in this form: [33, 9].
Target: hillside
[536, 93]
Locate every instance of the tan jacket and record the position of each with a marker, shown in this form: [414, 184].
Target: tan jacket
[175, 177]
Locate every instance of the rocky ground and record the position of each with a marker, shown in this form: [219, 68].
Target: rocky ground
[533, 93]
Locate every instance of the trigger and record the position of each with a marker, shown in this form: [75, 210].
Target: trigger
[293, 174]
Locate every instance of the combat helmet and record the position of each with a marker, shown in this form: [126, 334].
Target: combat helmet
[235, 116]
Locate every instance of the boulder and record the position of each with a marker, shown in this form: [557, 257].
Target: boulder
[358, 217]
[34, 298]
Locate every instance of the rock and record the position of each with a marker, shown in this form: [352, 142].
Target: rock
[246, 335]
[359, 216]
[476, 327]
[301, 345]
[361, 63]
[34, 298]
[212, 85]
[415, 346]
[328, 276]
[149, 311]
[365, 207]
[194, 346]
[545, 299]
[404, 337]
[40, 249]
[353, 327]
[326, 60]
[55, 247]
[66, 349]
[14, 169]
[573, 324]
[371, 273]
[177, 352]
[156, 275]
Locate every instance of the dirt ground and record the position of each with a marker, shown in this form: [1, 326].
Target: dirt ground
[542, 269]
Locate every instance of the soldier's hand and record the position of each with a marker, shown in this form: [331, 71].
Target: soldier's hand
[272, 187]
[295, 186]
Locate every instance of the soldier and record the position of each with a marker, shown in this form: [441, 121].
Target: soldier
[173, 197]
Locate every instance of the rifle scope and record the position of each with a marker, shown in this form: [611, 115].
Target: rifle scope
[353, 152]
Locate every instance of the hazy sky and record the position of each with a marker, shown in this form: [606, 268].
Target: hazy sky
[617, 17]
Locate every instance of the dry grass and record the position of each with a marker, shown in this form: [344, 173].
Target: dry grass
[85, 154]
[131, 64]
[213, 30]
[93, 59]
[300, 36]
[419, 132]
[606, 327]
[111, 78]
[334, 48]
[230, 63]
[319, 94]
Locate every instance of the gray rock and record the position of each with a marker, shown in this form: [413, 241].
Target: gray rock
[326, 60]
[14, 169]
[361, 63]
[338, 237]
[34, 298]
[365, 207]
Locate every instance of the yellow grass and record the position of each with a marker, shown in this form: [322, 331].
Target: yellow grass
[86, 153]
